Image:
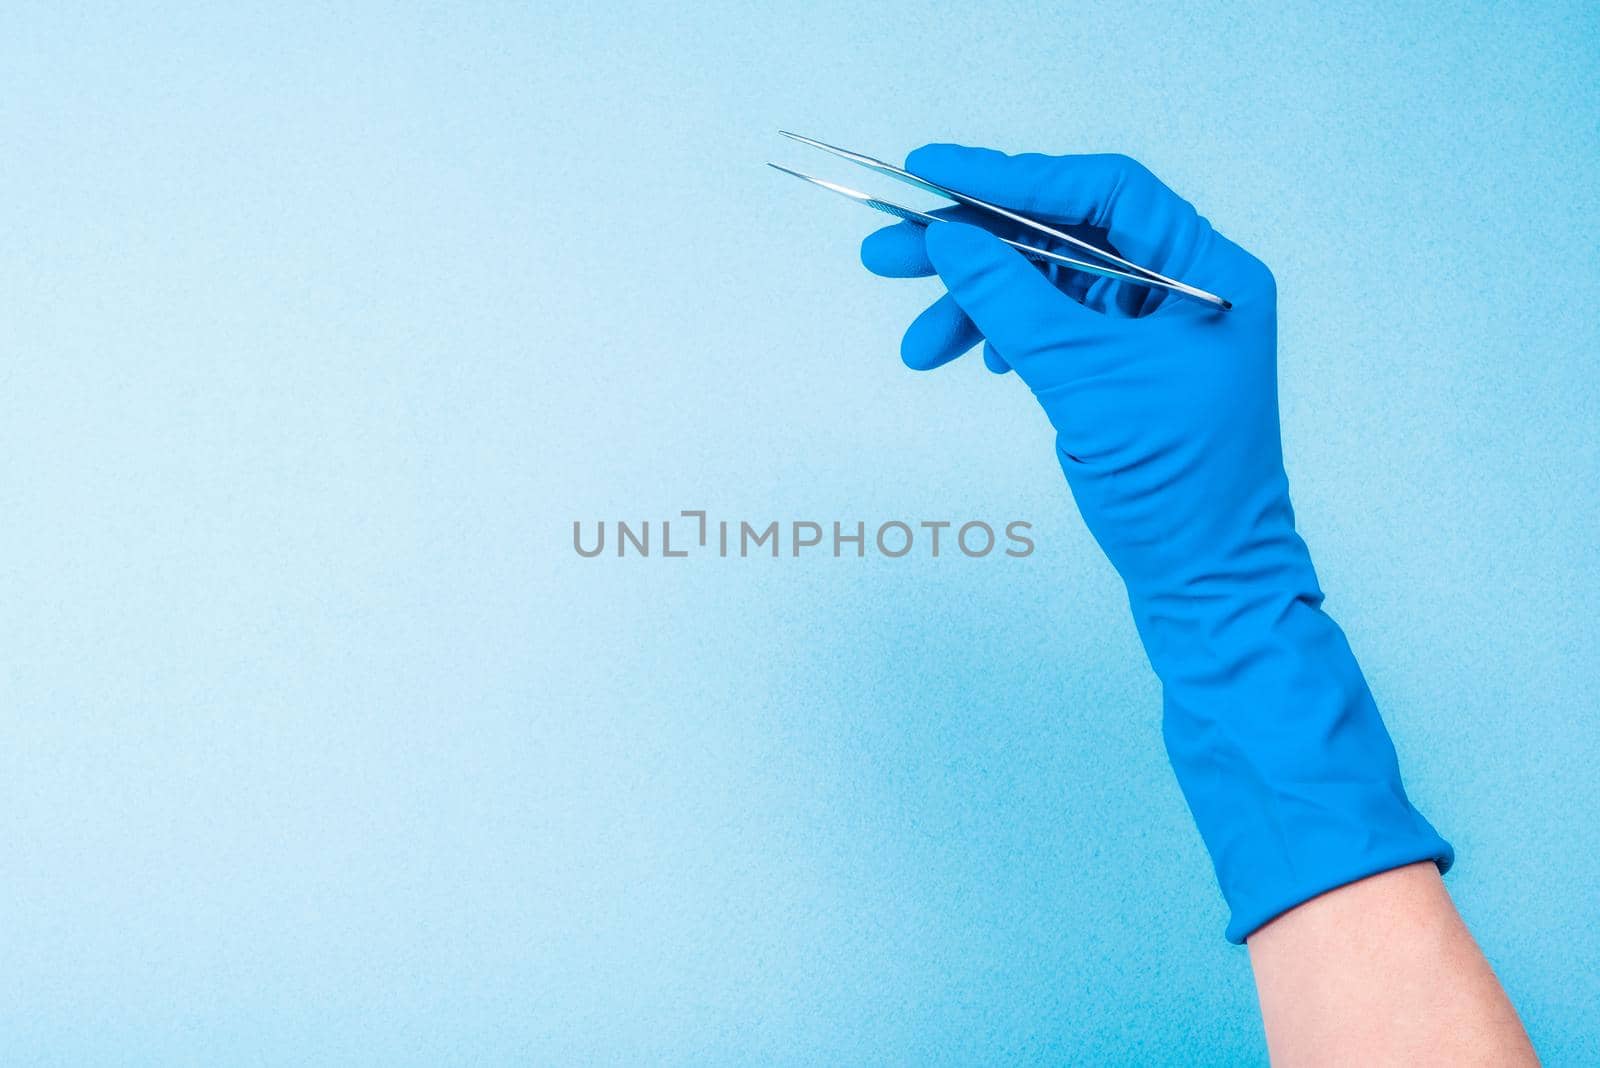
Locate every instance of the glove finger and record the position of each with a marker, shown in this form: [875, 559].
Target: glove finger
[940, 334]
[897, 251]
[1102, 295]
[1075, 284]
[1144, 220]
[1011, 302]
[993, 360]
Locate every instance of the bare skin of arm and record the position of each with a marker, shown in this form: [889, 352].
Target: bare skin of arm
[1382, 972]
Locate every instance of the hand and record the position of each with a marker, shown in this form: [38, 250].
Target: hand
[1165, 409]
[1166, 418]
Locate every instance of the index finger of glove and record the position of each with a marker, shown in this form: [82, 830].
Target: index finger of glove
[1145, 221]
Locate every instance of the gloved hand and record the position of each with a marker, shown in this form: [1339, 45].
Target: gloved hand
[1166, 420]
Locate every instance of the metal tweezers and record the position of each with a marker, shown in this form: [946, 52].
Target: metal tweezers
[1120, 269]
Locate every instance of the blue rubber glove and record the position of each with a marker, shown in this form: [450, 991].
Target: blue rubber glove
[1166, 420]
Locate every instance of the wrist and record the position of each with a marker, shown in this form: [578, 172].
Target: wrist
[1218, 611]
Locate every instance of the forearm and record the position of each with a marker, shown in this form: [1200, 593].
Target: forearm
[1279, 748]
[1382, 971]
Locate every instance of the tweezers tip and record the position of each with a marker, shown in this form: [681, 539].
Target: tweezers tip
[812, 142]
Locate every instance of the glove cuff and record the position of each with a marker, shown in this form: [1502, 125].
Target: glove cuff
[1281, 754]
[1253, 907]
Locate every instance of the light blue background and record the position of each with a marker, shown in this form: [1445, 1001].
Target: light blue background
[320, 744]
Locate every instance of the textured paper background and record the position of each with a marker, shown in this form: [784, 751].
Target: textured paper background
[320, 329]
